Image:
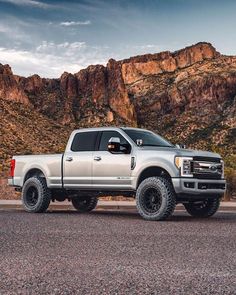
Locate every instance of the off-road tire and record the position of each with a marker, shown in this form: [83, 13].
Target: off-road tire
[161, 205]
[203, 209]
[85, 204]
[36, 196]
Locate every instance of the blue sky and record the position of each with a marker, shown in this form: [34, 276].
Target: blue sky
[49, 37]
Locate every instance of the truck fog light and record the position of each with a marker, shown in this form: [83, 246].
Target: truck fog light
[189, 184]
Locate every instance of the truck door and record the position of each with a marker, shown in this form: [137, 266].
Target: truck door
[77, 163]
[111, 170]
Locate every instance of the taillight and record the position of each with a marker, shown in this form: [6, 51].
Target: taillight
[12, 167]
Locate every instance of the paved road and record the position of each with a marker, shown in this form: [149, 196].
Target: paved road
[116, 252]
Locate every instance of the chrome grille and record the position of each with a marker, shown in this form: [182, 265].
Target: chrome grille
[207, 169]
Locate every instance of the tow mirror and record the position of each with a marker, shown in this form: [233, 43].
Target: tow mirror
[114, 145]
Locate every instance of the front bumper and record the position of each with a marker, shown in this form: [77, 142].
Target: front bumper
[194, 186]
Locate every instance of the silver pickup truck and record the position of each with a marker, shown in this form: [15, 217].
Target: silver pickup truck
[122, 161]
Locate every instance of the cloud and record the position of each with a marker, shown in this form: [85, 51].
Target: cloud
[148, 47]
[32, 3]
[4, 29]
[60, 48]
[78, 23]
[12, 32]
[27, 63]
[51, 59]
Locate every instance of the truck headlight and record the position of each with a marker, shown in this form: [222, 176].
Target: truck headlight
[184, 166]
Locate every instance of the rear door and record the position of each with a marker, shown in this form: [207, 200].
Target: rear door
[77, 163]
[111, 170]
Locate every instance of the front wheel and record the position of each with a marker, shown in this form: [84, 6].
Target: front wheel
[85, 204]
[155, 198]
[204, 208]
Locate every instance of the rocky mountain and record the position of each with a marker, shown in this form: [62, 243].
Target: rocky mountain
[187, 96]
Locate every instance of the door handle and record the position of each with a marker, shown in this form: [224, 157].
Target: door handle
[69, 159]
[97, 158]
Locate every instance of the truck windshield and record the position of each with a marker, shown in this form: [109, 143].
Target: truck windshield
[146, 138]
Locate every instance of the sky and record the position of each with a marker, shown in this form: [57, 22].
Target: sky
[49, 37]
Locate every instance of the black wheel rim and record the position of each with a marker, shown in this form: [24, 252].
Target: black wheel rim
[152, 200]
[83, 202]
[32, 196]
[201, 205]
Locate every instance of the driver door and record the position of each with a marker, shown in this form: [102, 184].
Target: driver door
[111, 170]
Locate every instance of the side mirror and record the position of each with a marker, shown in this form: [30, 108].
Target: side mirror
[139, 142]
[114, 145]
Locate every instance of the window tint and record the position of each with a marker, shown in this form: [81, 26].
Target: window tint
[106, 135]
[84, 141]
[148, 138]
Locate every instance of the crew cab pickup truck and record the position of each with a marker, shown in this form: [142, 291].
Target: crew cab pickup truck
[121, 161]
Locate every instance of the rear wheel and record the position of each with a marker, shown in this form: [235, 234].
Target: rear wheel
[36, 196]
[204, 208]
[155, 198]
[85, 204]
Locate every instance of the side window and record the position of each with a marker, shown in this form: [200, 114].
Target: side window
[84, 141]
[106, 135]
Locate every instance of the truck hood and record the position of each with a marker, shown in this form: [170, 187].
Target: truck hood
[181, 152]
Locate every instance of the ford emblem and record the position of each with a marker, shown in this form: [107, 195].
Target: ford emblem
[213, 168]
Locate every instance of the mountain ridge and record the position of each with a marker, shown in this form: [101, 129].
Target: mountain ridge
[187, 96]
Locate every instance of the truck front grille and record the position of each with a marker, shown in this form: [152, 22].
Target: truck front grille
[207, 168]
[207, 159]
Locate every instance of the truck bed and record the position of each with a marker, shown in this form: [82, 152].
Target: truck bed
[51, 163]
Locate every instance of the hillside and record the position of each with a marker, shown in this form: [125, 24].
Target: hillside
[188, 96]
[24, 130]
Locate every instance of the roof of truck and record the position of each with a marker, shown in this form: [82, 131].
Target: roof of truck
[107, 128]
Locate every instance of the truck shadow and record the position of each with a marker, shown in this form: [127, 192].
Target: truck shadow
[132, 214]
[176, 217]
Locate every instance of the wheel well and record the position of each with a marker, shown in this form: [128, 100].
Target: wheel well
[153, 171]
[34, 172]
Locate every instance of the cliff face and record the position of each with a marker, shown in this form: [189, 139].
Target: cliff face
[101, 93]
[166, 62]
[187, 92]
[9, 85]
[188, 95]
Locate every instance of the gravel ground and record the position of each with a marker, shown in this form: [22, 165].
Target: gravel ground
[116, 252]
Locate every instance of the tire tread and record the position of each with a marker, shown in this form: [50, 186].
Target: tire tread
[44, 192]
[92, 204]
[213, 206]
[170, 197]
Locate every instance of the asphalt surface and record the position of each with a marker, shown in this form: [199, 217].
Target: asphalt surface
[114, 252]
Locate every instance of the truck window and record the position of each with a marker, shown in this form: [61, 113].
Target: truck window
[106, 135]
[148, 138]
[84, 141]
